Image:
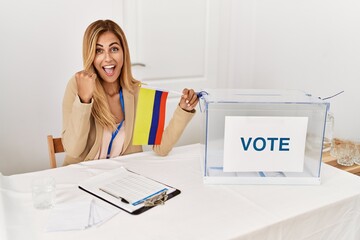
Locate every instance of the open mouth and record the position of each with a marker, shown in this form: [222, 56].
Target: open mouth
[109, 70]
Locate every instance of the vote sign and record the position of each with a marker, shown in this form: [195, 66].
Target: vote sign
[264, 144]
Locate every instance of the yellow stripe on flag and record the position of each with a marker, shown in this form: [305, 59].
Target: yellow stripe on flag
[143, 118]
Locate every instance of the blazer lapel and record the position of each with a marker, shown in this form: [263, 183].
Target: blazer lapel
[129, 117]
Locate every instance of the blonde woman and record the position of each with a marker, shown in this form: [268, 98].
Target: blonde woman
[99, 104]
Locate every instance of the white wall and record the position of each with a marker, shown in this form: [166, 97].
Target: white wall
[311, 45]
[41, 44]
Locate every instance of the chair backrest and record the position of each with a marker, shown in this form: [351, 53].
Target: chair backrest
[54, 146]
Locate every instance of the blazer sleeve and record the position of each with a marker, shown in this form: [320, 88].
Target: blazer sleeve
[76, 121]
[173, 131]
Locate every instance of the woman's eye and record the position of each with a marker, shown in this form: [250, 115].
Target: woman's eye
[99, 51]
[114, 49]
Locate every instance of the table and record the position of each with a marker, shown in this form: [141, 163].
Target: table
[327, 211]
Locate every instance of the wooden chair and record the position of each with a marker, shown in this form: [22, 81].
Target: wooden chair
[54, 146]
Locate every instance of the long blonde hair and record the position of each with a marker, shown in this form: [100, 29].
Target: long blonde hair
[101, 110]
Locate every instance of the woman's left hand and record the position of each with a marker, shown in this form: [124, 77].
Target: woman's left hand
[188, 100]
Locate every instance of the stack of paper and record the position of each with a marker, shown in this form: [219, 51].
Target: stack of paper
[79, 215]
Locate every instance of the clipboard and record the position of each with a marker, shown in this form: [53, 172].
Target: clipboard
[129, 191]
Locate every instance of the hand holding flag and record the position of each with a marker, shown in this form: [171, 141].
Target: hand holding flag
[188, 100]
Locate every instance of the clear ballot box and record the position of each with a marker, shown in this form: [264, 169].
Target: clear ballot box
[262, 136]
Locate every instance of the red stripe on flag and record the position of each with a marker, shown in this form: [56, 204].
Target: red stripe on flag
[161, 124]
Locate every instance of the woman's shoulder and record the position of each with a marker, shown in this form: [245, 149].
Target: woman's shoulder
[134, 87]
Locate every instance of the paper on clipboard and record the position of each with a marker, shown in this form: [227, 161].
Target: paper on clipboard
[126, 189]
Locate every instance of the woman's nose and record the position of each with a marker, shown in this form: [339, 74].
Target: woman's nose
[108, 56]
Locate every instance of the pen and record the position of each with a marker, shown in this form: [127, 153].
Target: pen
[115, 196]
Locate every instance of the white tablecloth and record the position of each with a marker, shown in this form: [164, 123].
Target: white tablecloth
[327, 211]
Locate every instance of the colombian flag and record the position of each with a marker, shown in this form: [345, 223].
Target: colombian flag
[150, 117]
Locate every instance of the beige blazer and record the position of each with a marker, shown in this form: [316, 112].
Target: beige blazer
[82, 134]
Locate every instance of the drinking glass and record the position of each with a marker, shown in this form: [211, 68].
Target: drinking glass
[43, 192]
[344, 151]
[356, 157]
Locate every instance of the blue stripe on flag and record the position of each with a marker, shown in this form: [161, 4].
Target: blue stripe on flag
[155, 118]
